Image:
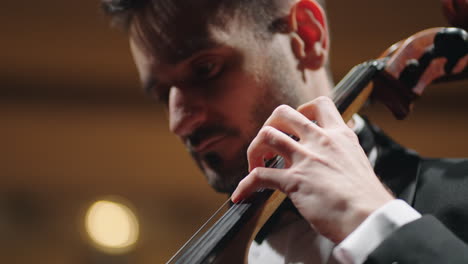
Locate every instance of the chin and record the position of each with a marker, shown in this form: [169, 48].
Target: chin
[223, 171]
[225, 181]
[222, 183]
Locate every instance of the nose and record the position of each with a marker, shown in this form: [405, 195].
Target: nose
[187, 111]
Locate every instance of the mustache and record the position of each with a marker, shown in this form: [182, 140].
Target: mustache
[207, 131]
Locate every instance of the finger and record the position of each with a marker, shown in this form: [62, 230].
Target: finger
[270, 141]
[323, 110]
[260, 178]
[290, 121]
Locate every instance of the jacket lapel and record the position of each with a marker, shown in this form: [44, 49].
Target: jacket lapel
[397, 167]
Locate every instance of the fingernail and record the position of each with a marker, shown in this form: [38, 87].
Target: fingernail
[234, 199]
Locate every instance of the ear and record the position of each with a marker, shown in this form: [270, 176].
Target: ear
[309, 35]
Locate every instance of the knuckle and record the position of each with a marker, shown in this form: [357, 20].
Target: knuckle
[313, 158]
[293, 183]
[266, 134]
[325, 140]
[349, 133]
[307, 108]
[320, 135]
[324, 103]
[324, 100]
[281, 110]
[256, 176]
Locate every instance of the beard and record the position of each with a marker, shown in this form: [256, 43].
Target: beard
[224, 173]
[279, 87]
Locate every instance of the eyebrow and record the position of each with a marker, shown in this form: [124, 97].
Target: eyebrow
[194, 47]
[151, 82]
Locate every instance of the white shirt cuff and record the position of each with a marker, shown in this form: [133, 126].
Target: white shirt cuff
[373, 231]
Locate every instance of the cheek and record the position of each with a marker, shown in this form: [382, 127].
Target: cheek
[240, 101]
[243, 94]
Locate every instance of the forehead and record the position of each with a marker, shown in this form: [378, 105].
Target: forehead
[178, 29]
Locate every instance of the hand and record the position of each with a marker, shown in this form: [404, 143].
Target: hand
[327, 174]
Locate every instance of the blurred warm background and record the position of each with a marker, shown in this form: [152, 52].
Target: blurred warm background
[76, 129]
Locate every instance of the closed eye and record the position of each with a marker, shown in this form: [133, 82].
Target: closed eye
[207, 68]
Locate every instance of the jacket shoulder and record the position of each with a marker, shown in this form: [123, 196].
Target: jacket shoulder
[442, 190]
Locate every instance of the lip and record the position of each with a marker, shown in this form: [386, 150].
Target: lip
[208, 143]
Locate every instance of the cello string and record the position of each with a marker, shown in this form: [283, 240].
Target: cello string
[235, 209]
[199, 230]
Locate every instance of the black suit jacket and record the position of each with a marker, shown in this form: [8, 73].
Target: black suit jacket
[438, 189]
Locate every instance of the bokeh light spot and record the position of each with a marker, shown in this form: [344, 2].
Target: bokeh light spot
[112, 226]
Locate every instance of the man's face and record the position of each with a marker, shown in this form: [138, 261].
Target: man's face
[219, 85]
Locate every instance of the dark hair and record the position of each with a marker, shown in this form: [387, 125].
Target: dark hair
[150, 22]
[121, 11]
[261, 11]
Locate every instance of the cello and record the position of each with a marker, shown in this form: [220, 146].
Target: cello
[396, 79]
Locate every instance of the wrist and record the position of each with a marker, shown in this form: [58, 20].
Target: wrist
[374, 230]
[357, 213]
